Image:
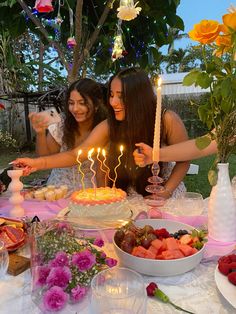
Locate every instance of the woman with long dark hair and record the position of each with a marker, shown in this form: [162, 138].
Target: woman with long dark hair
[131, 119]
[83, 110]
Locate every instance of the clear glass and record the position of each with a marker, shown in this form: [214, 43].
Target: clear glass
[189, 204]
[4, 259]
[118, 291]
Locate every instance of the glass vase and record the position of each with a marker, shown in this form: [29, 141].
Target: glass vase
[64, 259]
[222, 208]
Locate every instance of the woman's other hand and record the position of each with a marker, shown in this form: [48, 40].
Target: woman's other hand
[142, 155]
[38, 122]
[28, 165]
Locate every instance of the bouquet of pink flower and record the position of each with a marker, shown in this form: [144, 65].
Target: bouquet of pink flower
[64, 262]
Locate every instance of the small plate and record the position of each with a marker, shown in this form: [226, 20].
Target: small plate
[226, 288]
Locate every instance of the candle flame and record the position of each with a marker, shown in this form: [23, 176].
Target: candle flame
[99, 149]
[103, 153]
[79, 152]
[90, 152]
[121, 148]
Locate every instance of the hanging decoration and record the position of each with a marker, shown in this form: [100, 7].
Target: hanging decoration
[43, 6]
[118, 50]
[58, 19]
[127, 10]
[71, 42]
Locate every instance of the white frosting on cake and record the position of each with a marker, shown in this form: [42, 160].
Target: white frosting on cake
[97, 203]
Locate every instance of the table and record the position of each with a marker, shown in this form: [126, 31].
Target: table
[195, 291]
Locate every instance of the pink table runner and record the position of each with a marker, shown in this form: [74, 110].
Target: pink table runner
[47, 210]
[42, 209]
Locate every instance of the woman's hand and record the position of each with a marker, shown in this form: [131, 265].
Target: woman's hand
[28, 165]
[38, 122]
[143, 155]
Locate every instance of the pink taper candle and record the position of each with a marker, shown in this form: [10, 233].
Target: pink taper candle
[157, 129]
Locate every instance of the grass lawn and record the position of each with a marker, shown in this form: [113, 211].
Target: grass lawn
[194, 183]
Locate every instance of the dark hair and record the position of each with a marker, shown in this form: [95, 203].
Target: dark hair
[87, 88]
[138, 126]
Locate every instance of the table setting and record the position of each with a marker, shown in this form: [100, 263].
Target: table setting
[201, 288]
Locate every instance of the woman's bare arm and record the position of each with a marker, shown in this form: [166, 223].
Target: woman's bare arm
[98, 138]
[179, 152]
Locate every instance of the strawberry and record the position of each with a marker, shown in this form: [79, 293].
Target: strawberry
[232, 278]
[232, 257]
[162, 233]
[224, 259]
[224, 268]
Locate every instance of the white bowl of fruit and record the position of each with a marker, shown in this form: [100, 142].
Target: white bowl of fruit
[159, 247]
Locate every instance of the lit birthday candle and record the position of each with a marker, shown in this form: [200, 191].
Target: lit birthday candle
[79, 168]
[101, 168]
[157, 129]
[119, 163]
[90, 152]
[105, 166]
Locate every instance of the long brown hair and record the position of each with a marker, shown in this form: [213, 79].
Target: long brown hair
[138, 126]
[87, 88]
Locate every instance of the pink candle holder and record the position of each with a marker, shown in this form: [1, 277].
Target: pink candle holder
[16, 198]
[154, 200]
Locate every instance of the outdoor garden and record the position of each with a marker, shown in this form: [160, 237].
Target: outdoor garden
[43, 47]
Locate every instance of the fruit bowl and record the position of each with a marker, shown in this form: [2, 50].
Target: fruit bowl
[156, 267]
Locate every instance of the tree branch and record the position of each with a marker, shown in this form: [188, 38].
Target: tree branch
[94, 36]
[45, 33]
[78, 34]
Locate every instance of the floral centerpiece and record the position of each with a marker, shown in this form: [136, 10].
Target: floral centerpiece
[218, 74]
[63, 264]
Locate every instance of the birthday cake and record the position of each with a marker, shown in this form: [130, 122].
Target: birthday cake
[97, 202]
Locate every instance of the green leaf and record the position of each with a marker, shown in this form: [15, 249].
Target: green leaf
[226, 87]
[212, 177]
[191, 78]
[226, 105]
[203, 141]
[203, 80]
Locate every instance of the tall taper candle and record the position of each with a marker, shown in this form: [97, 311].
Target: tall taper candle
[157, 129]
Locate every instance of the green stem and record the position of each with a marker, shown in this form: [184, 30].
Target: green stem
[179, 308]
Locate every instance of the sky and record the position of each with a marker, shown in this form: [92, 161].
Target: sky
[193, 11]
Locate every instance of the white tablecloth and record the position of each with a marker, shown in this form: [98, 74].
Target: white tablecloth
[195, 291]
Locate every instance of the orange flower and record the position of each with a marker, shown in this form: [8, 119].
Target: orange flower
[206, 31]
[229, 21]
[224, 44]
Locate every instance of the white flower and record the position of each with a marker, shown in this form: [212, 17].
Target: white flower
[128, 13]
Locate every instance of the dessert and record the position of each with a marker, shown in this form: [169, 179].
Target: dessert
[48, 193]
[97, 202]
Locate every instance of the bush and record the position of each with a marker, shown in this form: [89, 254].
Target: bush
[7, 142]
